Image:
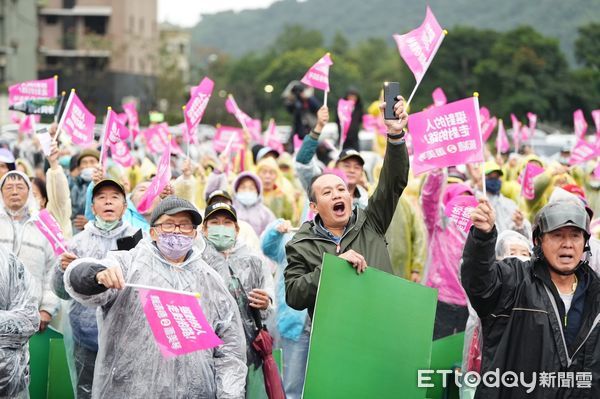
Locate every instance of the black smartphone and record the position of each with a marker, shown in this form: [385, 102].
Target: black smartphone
[391, 91]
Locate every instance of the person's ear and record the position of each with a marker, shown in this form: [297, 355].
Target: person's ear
[153, 234]
[313, 207]
[93, 208]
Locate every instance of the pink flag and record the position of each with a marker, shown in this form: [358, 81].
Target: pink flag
[272, 139]
[532, 122]
[484, 113]
[439, 97]
[159, 181]
[579, 123]
[114, 132]
[297, 143]
[194, 109]
[516, 131]
[459, 209]
[596, 117]
[177, 322]
[344, 110]
[582, 152]
[502, 144]
[175, 148]
[154, 140]
[132, 118]
[374, 124]
[224, 134]
[77, 121]
[597, 175]
[32, 89]
[318, 75]
[27, 123]
[121, 154]
[487, 124]
[418, 47]
[253, 125]
[446, 135]
[526, 180]
[48, 226]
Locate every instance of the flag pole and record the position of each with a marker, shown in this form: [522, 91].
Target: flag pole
[476, 97]
[60, 103]
[187, 152]
[429, 61]
[325, 98]
[103, 139]
[149, 287]
[62, 117]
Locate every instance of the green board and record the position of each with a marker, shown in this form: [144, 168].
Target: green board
[370, 334]
[49, 372]
[255, 388]
[446, 353]
[59, 378]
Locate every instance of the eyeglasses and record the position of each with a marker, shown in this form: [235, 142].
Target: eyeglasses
[170, 227]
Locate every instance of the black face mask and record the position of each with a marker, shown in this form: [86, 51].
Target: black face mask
[493, 185]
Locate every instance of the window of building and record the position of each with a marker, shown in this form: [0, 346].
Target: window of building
[95, 25]
[52, 62]
[51, 19]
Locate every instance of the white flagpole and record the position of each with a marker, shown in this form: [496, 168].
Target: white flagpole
[476, 97]
[149, 287]
[103, 139]
[62, 117]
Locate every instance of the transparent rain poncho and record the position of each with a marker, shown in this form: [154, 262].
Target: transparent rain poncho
[19, 320]
[129, 362]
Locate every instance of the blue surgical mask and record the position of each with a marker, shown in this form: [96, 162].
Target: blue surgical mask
[493, 186]
[87, 174]
[105, 225]
[174, 246]
[247, 198]
[221, 237]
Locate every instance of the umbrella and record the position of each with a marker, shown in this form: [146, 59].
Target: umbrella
[263, 344]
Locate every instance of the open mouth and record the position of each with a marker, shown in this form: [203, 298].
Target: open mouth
[565, 258]
[339, 208]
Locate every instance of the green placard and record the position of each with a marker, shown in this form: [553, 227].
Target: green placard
[370, 334]
[39, 352]
[446, 353]
[59, 378]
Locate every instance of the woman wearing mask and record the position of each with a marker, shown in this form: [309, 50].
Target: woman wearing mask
[244, 272]
[247, 201]
[87, 161]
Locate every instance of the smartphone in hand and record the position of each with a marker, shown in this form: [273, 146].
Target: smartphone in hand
[391, 91]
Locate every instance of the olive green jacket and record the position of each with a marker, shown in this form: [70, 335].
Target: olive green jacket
[365, 234]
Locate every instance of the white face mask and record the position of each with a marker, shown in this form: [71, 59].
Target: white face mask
[86, 174]
[523, 258]
[247, 198]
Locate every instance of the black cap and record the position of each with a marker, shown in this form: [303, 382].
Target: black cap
[172, 205]
[108, 183]
[351, 153]
[220, 207]
[218, 193]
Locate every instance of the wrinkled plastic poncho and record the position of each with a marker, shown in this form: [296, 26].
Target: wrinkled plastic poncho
[129, 362]
[79, 324]
[243, 267]
[19, 320]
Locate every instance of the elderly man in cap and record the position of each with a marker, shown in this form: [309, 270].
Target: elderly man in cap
[245, 273]
[540, 315]
[87, 161]
[95, 241]
[19, 235]
[129, 363]
[339, 228]
[349, 161]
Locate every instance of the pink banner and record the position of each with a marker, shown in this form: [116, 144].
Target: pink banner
[159, 181]
[582, 152]
[344, 110]
[77, 121]
[526, 180]
[418, 47]
[132, 118]
[318, 75]
[374, 124]
[27, 123]
[502, 144]
[121, 154]
[487, 124]
[459, 209]
[32, 89]
[439, 97]
[579, 123]
[297, 143]
[177, 322]
[532, 122]
[223, 136]
[272, 139]
[114, 131]
[48, 226]
[154, 141]
[446, 135]
[194, 109]
[253, 125]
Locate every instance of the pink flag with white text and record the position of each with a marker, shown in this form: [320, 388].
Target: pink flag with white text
[579, 123]
[132, 118]
[582, 152]
[459, 209]
[374, 124]
[159, 181]
[154, 141]
[224, 135]
[27, 123]
[344, 110]
[114, 129]
[194, 109]
[121, 154]
[418, 47]
[439, 97]
[446, 135]
[177, 322]
[77, 121]
[272, 139]
[487, 124]
[502, 144]
[32, 89]
[253, 125]
[526, 179]
[318, 74]
[48, 226]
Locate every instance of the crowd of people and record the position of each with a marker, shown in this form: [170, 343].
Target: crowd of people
[249, 233]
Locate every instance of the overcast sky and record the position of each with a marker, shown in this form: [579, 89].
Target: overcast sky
[187, 12]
